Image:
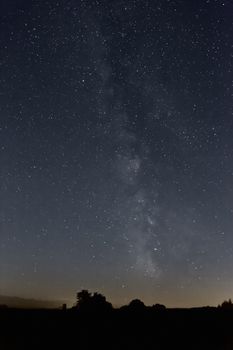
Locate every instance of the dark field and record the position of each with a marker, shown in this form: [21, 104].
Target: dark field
[205, 328]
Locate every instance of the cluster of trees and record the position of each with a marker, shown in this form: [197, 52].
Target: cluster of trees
[227, 305]
[87, 301]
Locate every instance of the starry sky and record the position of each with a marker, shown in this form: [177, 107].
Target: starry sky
[116, 150]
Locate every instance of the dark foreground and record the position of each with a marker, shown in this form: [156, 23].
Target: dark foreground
[206, 328]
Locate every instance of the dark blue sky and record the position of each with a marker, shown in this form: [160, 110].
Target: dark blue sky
[116, 150]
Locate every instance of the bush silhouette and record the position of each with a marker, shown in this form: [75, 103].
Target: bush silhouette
[159, 307]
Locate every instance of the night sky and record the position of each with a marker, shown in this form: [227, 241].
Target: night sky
[116, 150]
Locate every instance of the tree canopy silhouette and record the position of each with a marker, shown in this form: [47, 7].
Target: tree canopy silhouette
[136, 305]
[87, 301]
[227, 304]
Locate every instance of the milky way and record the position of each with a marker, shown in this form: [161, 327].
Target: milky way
[116, 150]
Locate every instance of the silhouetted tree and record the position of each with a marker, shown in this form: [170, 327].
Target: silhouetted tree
[83, 296]
[99, 302]
[159, 307]
[87, 301]
[227, 304]
[136, 305]
[98, 298]
[83, 299]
